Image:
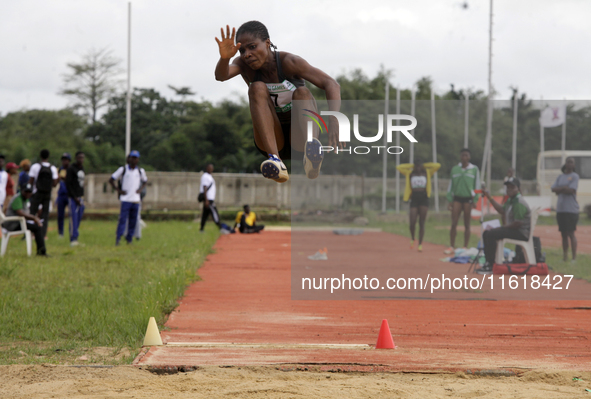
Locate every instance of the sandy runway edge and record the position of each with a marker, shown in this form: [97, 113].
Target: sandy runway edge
[47, 381]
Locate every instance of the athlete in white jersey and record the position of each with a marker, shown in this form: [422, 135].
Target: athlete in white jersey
[275, 80]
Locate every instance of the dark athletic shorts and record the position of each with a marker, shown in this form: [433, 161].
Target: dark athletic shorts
[285, 152]
[567, 222]
[419, 198]
[463, 200]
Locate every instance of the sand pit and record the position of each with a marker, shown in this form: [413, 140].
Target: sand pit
[271, 382]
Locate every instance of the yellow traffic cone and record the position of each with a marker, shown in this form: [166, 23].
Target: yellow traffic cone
[152, 334]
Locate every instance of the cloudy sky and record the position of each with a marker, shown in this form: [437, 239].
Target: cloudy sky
[541, 46]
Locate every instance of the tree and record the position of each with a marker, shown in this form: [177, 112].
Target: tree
[92, 82]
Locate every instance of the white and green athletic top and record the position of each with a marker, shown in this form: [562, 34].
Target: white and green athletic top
[463, 182]
[281, 93]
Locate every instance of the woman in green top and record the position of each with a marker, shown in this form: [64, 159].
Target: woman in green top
[274, 79]
[461, 195]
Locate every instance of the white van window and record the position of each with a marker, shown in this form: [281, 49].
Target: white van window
[583, 167]
[552, 163]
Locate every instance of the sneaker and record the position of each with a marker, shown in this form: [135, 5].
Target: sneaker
[313, 157]
[449, 251]
[485, 269]
[420, 248]
[412, 244]
[274, 169]
[60, 236]
[74, 243]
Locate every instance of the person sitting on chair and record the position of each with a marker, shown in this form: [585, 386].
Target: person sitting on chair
[246, 222]
[517, 216]
[19, 207]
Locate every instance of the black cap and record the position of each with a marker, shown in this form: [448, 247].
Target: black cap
[514, 181]
[67, 156]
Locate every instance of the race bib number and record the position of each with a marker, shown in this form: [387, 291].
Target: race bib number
[281, 94]
[418, 182]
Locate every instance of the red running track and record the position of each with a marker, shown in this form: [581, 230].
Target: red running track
[241, 313]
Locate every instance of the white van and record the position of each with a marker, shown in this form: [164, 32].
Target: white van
[553, 161]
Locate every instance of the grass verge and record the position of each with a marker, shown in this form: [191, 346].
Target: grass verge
[92, 303]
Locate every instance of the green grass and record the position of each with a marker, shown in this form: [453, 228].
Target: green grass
[96, 295]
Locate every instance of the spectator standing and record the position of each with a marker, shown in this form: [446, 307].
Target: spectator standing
[246, 222]
[11, 169]
[567, 207]
[43, 178]
[418, 191]
[18, 207]
[75, 190]
[23, 177]
[131, 184]
[464, 181]
[138, 224]
[62, 193]
[208, 189]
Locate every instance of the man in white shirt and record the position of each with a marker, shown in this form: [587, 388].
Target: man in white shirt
[207, 188]
[133, 180]
[43, 177]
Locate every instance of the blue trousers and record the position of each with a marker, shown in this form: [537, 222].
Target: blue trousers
[62, 202]
[128, 214]
[76, 212]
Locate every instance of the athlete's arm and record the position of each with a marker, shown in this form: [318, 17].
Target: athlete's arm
[297, 66]
[224, 70]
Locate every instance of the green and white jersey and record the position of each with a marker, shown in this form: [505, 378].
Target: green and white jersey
[281, 95]
[517, 208]
[463, 182]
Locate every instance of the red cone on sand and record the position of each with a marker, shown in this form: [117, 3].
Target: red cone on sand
[385, 340]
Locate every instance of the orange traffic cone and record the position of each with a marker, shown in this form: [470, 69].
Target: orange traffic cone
[385, 340]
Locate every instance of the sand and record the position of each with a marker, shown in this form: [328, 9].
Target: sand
[51, 381]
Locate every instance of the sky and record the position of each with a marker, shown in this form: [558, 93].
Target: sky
[540, 46]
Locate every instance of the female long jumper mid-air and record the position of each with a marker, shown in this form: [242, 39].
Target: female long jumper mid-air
[274, 80]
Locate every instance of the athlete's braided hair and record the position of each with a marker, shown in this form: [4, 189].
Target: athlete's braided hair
[257, 29]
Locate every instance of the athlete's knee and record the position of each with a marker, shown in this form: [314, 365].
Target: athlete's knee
[302, 93]
[258, 90]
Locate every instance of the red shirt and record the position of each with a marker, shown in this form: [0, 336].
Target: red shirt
[9, 186]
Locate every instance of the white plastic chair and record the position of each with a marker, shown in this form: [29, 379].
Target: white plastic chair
[7, 234]
[528, 246]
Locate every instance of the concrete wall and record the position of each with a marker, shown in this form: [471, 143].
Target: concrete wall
[179, 190]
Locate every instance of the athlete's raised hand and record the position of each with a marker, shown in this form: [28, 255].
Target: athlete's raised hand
[227, 47]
